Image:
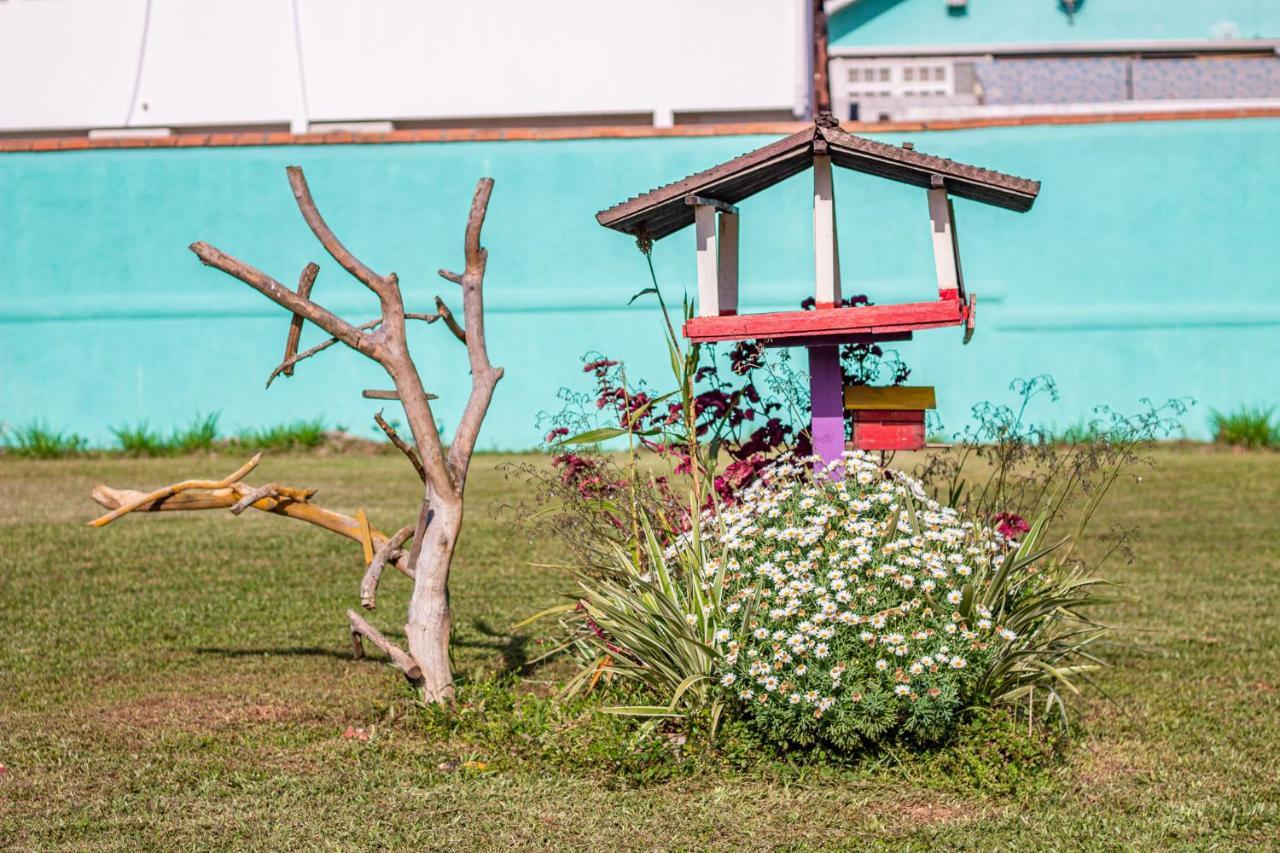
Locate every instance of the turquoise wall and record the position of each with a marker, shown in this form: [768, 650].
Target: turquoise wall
[926, 22]
[1147, 268]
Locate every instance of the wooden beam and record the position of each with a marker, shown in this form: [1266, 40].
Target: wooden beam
[722, 206]
[895, 398]
[704, 225]
[874, 320]
[826, 250]
[727, 280]
[946, 249]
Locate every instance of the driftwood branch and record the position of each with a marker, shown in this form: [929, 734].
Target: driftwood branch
[401, 445]
[305, 282]
[209, 494]
[271, 490]
[373, 573]
[401, 661]
[447, 315]
[176, 488]
[447, 275]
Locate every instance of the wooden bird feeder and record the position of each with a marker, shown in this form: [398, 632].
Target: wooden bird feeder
[884, 418]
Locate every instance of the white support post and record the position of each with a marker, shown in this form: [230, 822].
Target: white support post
[728, 257]
[826, 250]
[946, 250]
[704, 224]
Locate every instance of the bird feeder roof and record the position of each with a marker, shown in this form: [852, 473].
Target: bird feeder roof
[664, 210]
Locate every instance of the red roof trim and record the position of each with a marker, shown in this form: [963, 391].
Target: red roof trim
[54, 142]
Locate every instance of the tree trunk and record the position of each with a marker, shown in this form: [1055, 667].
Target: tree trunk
[429, 625]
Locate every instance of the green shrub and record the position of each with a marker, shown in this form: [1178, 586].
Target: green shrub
[140, 440]
[652, 618]
[200, 434]
[307, 433]
[1247, 426]
[40, 441]
[860, 611]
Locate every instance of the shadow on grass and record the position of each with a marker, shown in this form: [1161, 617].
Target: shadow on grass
[294, 651]
[513, 648]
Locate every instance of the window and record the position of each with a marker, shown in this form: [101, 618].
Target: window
[903, 78]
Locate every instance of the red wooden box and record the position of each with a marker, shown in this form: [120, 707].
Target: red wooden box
[888, 430]
[888, 418]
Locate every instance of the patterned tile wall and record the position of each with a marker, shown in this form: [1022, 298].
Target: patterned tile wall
[1070, 81]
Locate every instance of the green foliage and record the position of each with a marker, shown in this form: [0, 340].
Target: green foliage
[140, 440]
[40, 441]
[200, 434]
[1048, 605]
[300, 434]
[1247, 426]
[654, 620]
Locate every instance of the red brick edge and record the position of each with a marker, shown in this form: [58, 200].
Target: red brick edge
[219, 140]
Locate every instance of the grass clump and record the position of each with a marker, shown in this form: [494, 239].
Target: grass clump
[140, 440]
[301, 434]
[38, 440]
[1253, 427]
[200, 434]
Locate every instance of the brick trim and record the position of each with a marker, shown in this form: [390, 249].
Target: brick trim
[540, 134]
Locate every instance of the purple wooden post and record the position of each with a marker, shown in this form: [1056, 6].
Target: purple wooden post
[826, 392]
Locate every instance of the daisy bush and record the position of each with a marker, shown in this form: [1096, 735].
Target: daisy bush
[852, 607]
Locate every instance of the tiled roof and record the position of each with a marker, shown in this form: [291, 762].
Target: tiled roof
[664, 210]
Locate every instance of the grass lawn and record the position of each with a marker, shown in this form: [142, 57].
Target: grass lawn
[185, 681]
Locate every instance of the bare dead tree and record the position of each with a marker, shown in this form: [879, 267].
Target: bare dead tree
[443, 471]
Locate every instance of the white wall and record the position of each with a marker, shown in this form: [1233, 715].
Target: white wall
[68, 64]
[76, 63]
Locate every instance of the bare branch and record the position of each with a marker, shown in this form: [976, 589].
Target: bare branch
[445, 314]
[402, 445]
[447, 275]
[270, 490]
[305, 282]
[373, 574]
[286, 298]
[286, 366]
[484, 376]
[400, 660]
[340, 253]
[169, 491]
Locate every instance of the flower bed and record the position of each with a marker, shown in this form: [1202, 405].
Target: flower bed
[852, 608]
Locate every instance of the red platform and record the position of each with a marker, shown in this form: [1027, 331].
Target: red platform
[866, 323]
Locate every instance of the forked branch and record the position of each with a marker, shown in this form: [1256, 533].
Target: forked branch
[401, 661]
[373, 574]
[340, 253]
[484, 376]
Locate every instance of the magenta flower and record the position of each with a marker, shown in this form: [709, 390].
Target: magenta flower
[1010, 525]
